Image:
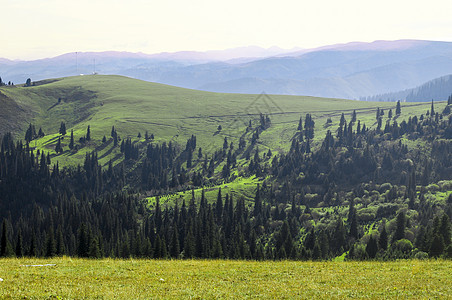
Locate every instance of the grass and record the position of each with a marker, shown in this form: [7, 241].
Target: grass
[170, 113]
[240, 187]
[74, 278]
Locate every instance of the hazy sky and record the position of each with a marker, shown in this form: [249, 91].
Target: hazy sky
[45, 28]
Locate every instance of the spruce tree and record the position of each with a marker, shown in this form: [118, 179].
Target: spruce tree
[175, 248]
[94, 249]
[352, 220]
[71, 142]
[353, 116]
[398, 110]
[342, 121]
[50, 244]
[219, 206]
[62, 130]
[400, 229]
[445, 230]
[6, 249]
[257, 203]
[33, 251]
[82, 243]
[88, 134]
[383, 239]
[19, 245]
[372, 247]
[60, 249]
[437, 246]
[58, 147]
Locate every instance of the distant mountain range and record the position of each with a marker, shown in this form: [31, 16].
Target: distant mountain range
[355, 70]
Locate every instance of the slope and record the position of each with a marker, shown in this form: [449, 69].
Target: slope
[170, 113]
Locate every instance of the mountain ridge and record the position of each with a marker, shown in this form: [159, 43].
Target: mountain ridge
[353, 70]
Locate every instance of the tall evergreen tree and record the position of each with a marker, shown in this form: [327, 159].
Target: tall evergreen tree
[257, 202]
[71, 142]
[353, 116]
[50, 244]
[19, 245]
[437, 245]
[352, 220]
[62, 130]
[88, 134]
[372, 247]
[383, 239]
[300, 125]
[6, 249]
[219, 206]
[398, 110]
[400, 229]
[175, 248]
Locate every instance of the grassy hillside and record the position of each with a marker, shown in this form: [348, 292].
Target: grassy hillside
[144, 279]
[170, 113]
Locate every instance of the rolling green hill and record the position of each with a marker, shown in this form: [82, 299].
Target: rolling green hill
[328, 191]
[170, 113]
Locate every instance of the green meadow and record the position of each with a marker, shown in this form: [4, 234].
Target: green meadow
[69, 278]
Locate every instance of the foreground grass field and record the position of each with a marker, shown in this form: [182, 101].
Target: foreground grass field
[206, 279]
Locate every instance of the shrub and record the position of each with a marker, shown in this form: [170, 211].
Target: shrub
[421, 255]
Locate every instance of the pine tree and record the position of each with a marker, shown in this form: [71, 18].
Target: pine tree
[432, 110]
[353, 116]
[372, 247]
[189, 247]
[62, 130]
[41, 133]
[19, 246]
[342, 121]
[94, 249]
[33, 251]
[6, 249]
[400, 229]
[219, 206]
[352, 220]
[383, 239]
[30, 134]
[82, 245]
[175, 248]
[445, 230]
[50, 244]
[58, 147]
[71, 142]
[437, 246]
[257, 203]
[88, 134]
[398, 110]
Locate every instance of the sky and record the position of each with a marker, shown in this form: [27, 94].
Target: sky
[37, 29]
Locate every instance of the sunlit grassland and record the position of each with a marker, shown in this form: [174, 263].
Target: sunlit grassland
[243, 187]
[72, 278]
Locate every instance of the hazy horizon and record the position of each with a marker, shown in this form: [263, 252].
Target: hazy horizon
[49, 28]
[238, 52]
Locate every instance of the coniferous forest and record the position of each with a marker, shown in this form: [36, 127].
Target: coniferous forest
[362, 194]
